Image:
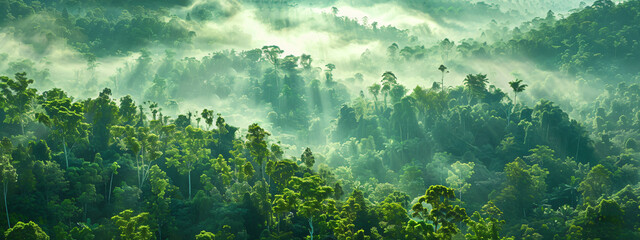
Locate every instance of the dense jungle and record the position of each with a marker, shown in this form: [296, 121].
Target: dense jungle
[331, 120]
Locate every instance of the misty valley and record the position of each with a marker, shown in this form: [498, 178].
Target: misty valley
[330, 120]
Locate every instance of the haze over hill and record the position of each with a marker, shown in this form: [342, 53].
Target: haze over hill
[295, 119]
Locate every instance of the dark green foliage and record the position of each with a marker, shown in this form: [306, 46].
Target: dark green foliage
[443, 215]
[102, 168]
[28, 230]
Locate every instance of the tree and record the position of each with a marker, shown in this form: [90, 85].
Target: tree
[388, 81]
[64, 117]
[349, 221]
[102, 113]
[458, 176]
[329, 74]
[517, 87]
[283, 203]
[8, 173]
[476, 85]
[312, 194]
[374, 89]
[442, 214]
[159, 202]
[257, 145]
[127, 110]
[207, 115]
[596, 184]
[114, 170]
[282, 171]
[224, 234]
[144, 145]
[442, 68]
[307, 158]
[486, 225]
[525, 186]
[305, 61]
[17, 97]
[23, 231]
[272, 54]
[133, 227]
[189, 150]
[603, 221]
[445, 47]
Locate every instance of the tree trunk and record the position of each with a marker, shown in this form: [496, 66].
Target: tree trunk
[385, 100]
[311, 227]
[262, 166]
[66, 154]
[6, 209]
[138, 170]
[110, 185]
[442, 83]
[22, 125]
[189, 184]
[578, 148]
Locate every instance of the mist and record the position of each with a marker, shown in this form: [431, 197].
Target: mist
[253, 119]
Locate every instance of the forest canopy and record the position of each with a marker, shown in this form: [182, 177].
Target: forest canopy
[224, 119]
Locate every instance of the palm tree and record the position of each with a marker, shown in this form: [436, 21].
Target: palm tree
[476, 85]
[442, 68]
[517, 87]
[388, 80]
[375, 90]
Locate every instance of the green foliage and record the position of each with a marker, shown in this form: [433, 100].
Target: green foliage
[458, 176]
[476, 85]
[28, 230]
[596, 184]
[442, 214]
[307, 158]
[133, 226]
[16, 98]
[486, 225]
[604, 221]
[257, 145]
[383, 141]
[524, 187]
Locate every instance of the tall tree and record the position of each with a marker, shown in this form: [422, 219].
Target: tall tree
[272, 54]
[23, 231]
[442, 214]
[257, 145]
[388, 81]
[329, 74]
[476, 85]
[596, 184]
[458, 176]
[114, 170]
[307, 158]
[189, 150]
[102, 113]
[8, 173]
[17, 98]
[517, 87]
[374, 89]
[133, 227]
[312, 195]
[207, 115]
[442, 69]
[159, 202]
[64, 117]
[445, 47]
